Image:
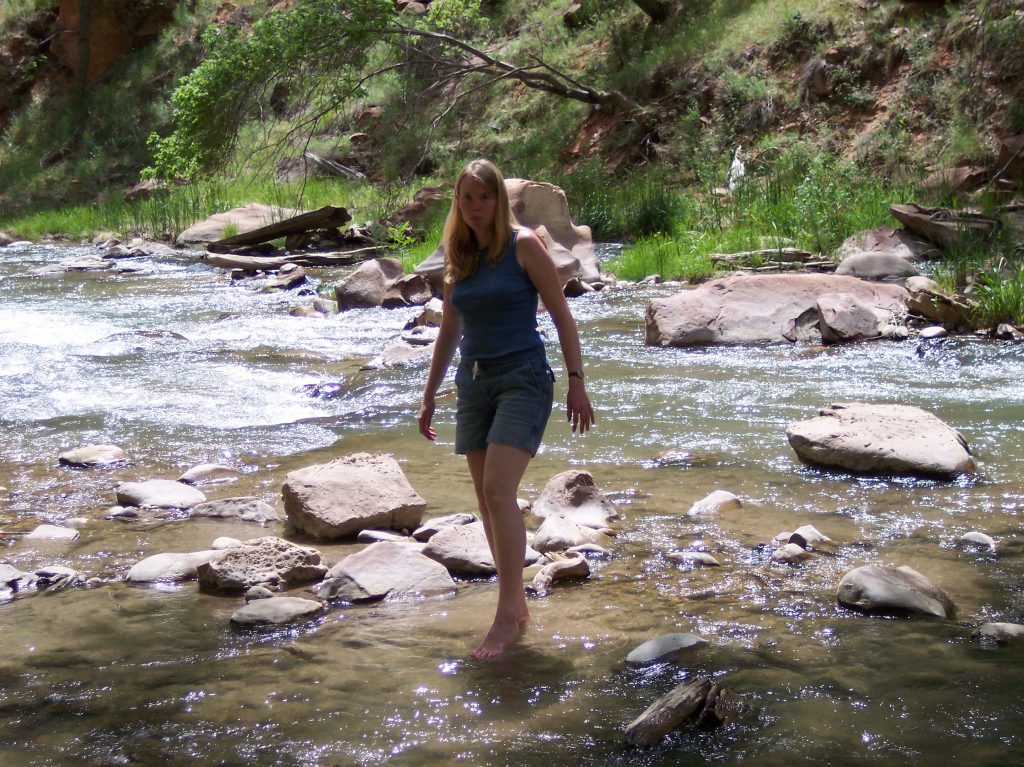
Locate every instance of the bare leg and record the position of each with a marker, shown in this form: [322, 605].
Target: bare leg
[496, 475]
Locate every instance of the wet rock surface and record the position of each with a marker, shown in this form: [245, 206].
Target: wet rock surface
[881, 439]
[876, 589]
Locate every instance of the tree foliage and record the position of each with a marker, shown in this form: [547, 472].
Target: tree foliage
[324, 48]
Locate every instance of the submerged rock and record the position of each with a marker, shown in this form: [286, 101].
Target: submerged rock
[340, 498]
[92, 456]
[663, 649]
[718, 501]
[52, 533]
[1004, 633]
[881, 439]
[975, 539]
[245, 508]
[161, 493]
[171, 567]
[694, 558]
[209, 472]
[275, 610]
[385, 570]
[790, 554]
[877, 589]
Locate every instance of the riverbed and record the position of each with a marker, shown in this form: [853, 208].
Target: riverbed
[179, 365]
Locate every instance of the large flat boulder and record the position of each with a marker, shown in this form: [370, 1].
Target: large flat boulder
[275, 611]
[876, 589]
[244, 219]
[748, 309]
[881, 439]
[542, 207]
[341, 498]
[385, 570]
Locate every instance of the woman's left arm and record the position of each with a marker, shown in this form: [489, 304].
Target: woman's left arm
[534, 258]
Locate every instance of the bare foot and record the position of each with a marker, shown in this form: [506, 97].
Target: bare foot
[502, 634]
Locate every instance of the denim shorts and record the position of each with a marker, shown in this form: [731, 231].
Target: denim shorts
[506, 401]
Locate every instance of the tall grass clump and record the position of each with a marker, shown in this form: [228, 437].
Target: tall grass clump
[999, 297]
[669, 256]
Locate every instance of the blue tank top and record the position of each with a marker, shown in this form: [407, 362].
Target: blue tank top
[498, 308]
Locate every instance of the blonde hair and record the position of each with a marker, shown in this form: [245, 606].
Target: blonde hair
[461, 252]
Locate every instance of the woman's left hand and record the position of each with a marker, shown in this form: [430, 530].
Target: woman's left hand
[579, 411]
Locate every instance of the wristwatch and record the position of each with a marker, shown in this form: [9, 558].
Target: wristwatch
[575, 374]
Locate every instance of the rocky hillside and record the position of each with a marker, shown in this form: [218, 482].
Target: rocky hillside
[901, 88]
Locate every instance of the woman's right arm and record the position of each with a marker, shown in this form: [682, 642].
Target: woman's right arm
[444, 350]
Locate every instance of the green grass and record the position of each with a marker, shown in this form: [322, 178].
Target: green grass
[1000, 298]
[164, 216]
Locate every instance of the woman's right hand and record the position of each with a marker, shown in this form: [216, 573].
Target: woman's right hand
[426, 416]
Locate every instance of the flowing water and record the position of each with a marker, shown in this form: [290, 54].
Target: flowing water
[180, 366]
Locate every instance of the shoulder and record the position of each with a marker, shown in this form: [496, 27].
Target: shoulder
[529, 246]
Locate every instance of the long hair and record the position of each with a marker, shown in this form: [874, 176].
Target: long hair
[461, 251]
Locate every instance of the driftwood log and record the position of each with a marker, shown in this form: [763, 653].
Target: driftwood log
[327, 217]
[272, 263]
[569, 565]
[711, 704]
[668, 712]
[943, 227]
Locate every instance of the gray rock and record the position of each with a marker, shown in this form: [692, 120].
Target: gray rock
[434, 526]
[14, 581]
[58, 577]
[790, 554]
[878, 589]
[843, 317]
[244, 219]
[93, 456]
[170, 567]
[718, 501]
[462, 549]
[52, 533]
[574, 494]
[812, 537]
[877, 265]
[275, 610]
[885, 239]
[258, 592]
[934, 331]
[881, 439]
[368, 285]
[245, 508]
[224, 542]
[373, 536]
[560, 533]
[664, 649]
[161, 493]
[358, 492]
[927, 299]
[286, 279]
[385, 570]
[1004, 633]
[749, 309]
[976, 539]
[694, 558]
[262, 561]
[209, 472]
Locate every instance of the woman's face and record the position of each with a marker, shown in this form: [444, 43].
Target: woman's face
[477, 205]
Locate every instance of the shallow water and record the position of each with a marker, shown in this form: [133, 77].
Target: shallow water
[124, 674]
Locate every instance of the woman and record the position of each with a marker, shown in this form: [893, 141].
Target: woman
[494, 272]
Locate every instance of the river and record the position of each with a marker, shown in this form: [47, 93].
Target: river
[178, 365]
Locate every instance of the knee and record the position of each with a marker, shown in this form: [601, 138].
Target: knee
[496, 495]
